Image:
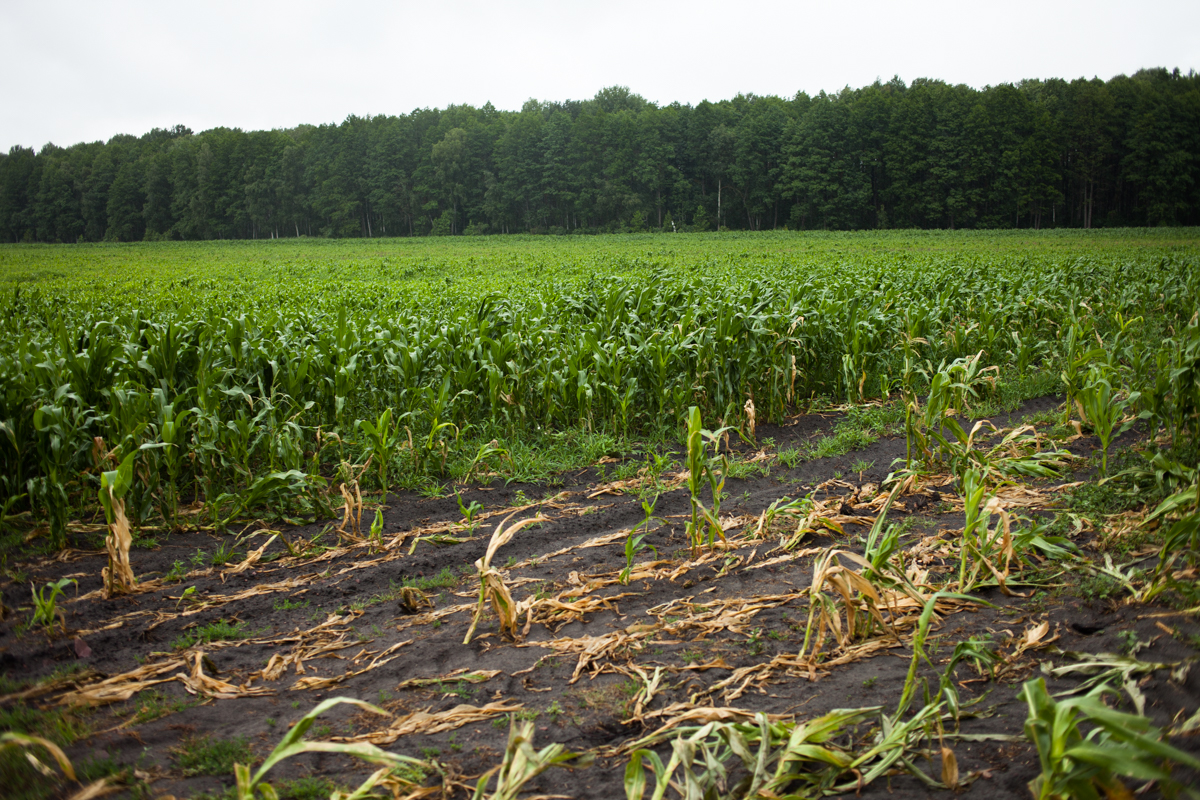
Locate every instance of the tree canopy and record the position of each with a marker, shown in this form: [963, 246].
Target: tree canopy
[1042, 153]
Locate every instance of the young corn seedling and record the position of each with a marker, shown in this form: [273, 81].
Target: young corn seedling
[45, 608]
[376, 534]
[634, 543]
[468, 512]
[491, 581]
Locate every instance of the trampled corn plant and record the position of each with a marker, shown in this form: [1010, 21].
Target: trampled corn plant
[1078, 766]
[491, 581]
[781, 508]
[9, 739]
[782, 759]
[839, 589]
[114, 486]
[251, 786]
[522, 763]
[1106, 669]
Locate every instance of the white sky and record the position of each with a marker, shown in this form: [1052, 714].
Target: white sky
[82, 71]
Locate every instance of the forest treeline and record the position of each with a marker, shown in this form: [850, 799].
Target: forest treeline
[1042, 153]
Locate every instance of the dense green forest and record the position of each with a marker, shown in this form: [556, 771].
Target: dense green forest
[1038, 154]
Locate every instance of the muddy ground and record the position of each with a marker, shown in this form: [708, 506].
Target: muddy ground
[351, 592]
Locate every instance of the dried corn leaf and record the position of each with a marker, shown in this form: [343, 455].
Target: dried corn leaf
[215, 600]
[423, 722]
[430, 616]
[120, 687]
[683, 713]
[324, 683]
[200, 683]
[252, 558]
[99, 788]
[462, 674]
[50, 687]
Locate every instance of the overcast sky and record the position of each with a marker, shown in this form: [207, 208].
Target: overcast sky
[83, 71]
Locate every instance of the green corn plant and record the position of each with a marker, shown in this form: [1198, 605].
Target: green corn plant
[1077, 357]
[699, 468]
[985, 553]
[1176, 392]
[920, 636]
[375, 536]
[1104, 409]
[252, 786]
[383, 442]
[485, 452]
[634, 542]
[1180, 540]
[468, 512]
[171, 433]
[1078, 766]
[61, 429]
[45, 609]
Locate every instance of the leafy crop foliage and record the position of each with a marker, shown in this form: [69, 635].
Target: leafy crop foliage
[277, 351]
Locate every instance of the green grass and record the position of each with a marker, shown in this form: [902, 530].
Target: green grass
[152, 705]
[205, 755]
[219, 631]
[308, 788]
[861, 427]
[446, 579]
[1099, 587]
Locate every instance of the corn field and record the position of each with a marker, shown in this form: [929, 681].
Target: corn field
[244, 375]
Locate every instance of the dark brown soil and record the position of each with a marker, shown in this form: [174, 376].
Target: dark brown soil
[591, 712]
